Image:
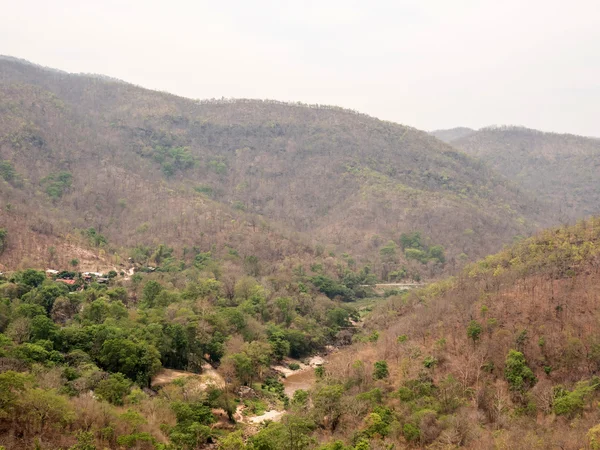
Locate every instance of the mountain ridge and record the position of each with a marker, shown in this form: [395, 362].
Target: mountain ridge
[560, 168]
[341, 177]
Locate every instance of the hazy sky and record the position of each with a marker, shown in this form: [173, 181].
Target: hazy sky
[429, 64]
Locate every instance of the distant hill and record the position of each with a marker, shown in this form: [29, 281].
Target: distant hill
[562, 169]
[452, 134]
[144, 167]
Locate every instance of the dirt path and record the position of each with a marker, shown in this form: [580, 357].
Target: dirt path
[273, 415]
[208, 376]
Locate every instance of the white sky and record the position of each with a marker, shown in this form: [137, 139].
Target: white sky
[425, 63]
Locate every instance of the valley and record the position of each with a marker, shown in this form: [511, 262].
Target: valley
[181, 274]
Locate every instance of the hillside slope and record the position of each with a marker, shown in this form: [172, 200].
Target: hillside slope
[506, 355]
[562, 169]
[84, 151]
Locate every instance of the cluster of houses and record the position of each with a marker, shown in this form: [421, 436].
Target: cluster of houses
[71, 278]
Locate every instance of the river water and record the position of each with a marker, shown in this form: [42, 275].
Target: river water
[304, 379]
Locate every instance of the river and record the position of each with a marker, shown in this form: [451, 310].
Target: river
[302, 379]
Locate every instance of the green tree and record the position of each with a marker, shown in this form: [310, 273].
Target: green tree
[42, 408]
[280, 347]
[85, 441]
[113, 389]
[3, 239]
[56, 184]
[474, 330]
[32, 278]
[327, 403]
[233, 441]
[437, 252]
[43, 328]
[388, 252]
[380, 370]
[11, 385]
[138, 361]
[519, 376]
[151, 290]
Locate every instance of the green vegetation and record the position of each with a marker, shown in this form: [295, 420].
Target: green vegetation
[114, 338]
[414, 248]
[519, 376]
[9, 173]
[3, 239]
[172, 159]
[381, 370]
[56, 184]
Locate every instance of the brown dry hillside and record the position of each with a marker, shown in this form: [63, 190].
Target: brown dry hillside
[560, 168]
[145, 167]
[506, 355]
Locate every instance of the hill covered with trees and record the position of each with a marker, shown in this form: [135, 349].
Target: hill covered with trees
[505, 355]
[86, 156]
[561, 169]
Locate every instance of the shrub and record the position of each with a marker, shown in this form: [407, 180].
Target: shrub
[430, 362]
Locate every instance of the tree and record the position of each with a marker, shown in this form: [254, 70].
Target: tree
[43, 328]
[175, 347]
[388, 252]
[85, 441]
[233, 441]
[411, 240]
[437, 252]
[474, 330]
[292, 433]
[519, 376]
[151, 290]
[326, 400]
[280, 347]
[41, 408]
[3, 239]
[32, 278]
[138, 361]
[46, 295]
[193, 420]
[96, 312]
[11, 384]
[113, 389]
[380, 370]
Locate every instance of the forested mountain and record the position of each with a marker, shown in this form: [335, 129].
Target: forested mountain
[143, 168]
[561, 169]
